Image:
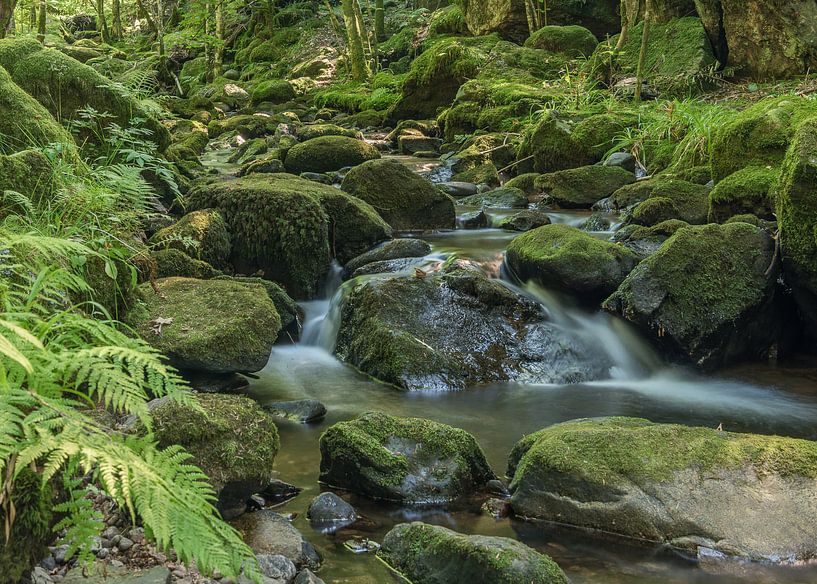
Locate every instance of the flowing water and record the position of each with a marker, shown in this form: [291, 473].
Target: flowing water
[757, 399]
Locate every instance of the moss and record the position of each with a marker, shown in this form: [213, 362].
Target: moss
[639, 232]
[273, 90]
[404, 199]
[31, 531]
[448, 20]
[700, 175]
[582, 187]
[230, 437]
[367, 444]
[550, 146]
[673, 199]
[24, 122]
[572, 40]
[597, 134]
[173, 262]
[435, 555]
[287, 308]
[499, 198]
[207, 232]
[64, 86]
[526, 182]
[307, 132]
[328, 153]
[29, 173]
[654, 210]
[568, 259]
[247, 126]
[620, 450]
[746, 191]
[760, 135]
[216, 326]
[485, 173]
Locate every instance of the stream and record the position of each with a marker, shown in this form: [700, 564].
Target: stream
[757, 398]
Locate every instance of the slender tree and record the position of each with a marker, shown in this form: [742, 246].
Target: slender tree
[354, 41]
[6, 15]
[103, 23]
[160, 27]
[41, 21]
[642, 56]
[218, 54]
[379, 21]
[116, 17]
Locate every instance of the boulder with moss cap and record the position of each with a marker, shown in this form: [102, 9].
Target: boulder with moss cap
[689, 487]
[201, 234]
[581, 188]
[744, 192]
[410, 460]
[430, 554]
[328, 153]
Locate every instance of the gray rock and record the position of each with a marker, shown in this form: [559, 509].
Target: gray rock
[328, 513]
[40, 576]
[458, 189]
[307, 577]
[302, 410]
[124, 544]
[390, 250]
[267, 532]
[501, 198]
[623, 159]
[278, 491]
[473, 220]
[317, 177]
[278, 568]
[525, 220]
[116, 573]
[388, 267]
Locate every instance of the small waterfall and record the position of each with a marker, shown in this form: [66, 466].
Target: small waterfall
[320, 320]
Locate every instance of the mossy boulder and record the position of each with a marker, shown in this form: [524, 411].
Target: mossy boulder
[430, 554]
[287, 308]
[644, 241]
[31, 532]
[707, 296]
[215, 325]
[759, 135]
[403, 198]
[572, 40]
[273, 91]
[482, 174]
[24, 122]
[524, 220]
[328, 153]
[64, 86]
[499, 198]
[505, 17]
[174, 262]
[247, 126]
[29, 173]
[307, 132]
[452, 330]
[685, 486]
[232, 439]
[581, 188]
[673, 199]
[410, 460]
[796, 207]
[569, 260]
[280, 225]
[744, 192]
[202, 234]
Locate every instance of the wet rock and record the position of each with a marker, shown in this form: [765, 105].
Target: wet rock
[429, 554]
[452, 329]
[403, 198]
[458, 189]
[328, 153]
[388, 267]
[277, 568]
[390, 250]
[216, 326]
[277, 491]
[746, 192]
[501, 198]
[412, 142]
[409, 460]
[307, 577]
[564, 258]
[524, 220]
[473, 220]
[302, 410]
[267, 532]
[597, 222]
[328, 513]
[497, 508]
[624, 160]
[317, 177]
[672, 483]
[707, 296]
[645, 241]
[581, 188]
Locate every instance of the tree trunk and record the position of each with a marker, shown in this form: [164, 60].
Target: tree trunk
[116, 15]
[361, 30]
[218, 54]
[379, 21]
[530, 14]
[6, 16]
[208, 47]
[354, 42]
[143, 12]
[642, 56]
[32, 17]
[160, 27]
[103, 24]
[41, 21]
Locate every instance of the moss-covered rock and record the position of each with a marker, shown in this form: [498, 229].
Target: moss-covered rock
[499, 198]
[744, 192]
[174, 262]
[572, 40]
[485, 173]
[328, 153]
[273, 91]
[202, 234]
[430, 554]
[410, 460]
[31, 532]
[454, 329]
[29, 173]
[403, 198]
[796, 208]
[581, 188]
[526, 182]
[685, 486]
[506, 17]
[673, 199]
[307, 132]
[448, 20]
[644, 241]
[390, 250]
[759, 135]
[569, 260]
[707, 296]
[524, 220]
[245, 125]
[64, 86]
[287, 308]
[231, 439]
[24, 122]
[215, 325]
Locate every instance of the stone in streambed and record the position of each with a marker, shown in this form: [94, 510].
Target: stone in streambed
[409, 460]
[390, 250]
[328, 153]
[524, 220]
[388, 267]
[430, 554]
[689, 487]
[267, 532]
[581, 188]
[458, 189]
[329, 513]
[501, 198]
[474, 220]
[277, 569]
[306, 576]
[302, 410]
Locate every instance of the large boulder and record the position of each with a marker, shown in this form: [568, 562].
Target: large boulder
[217, 326]
[796, 206]
[24, 121]
[744, 192]
[328, 153]
[690, 487]
[289, 228]
[707, 296]
[581, 188]
[410, 460]
[65, 86]
[29, 173]
[402, 197]
[759, 135]
[454, 329]
[231, 439]
[672, 199]
[430, 554]
[270, 534]
[201, 234]
[570, 260]
[573, 40]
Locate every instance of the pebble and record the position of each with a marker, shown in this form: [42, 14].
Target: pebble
[125, 544]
